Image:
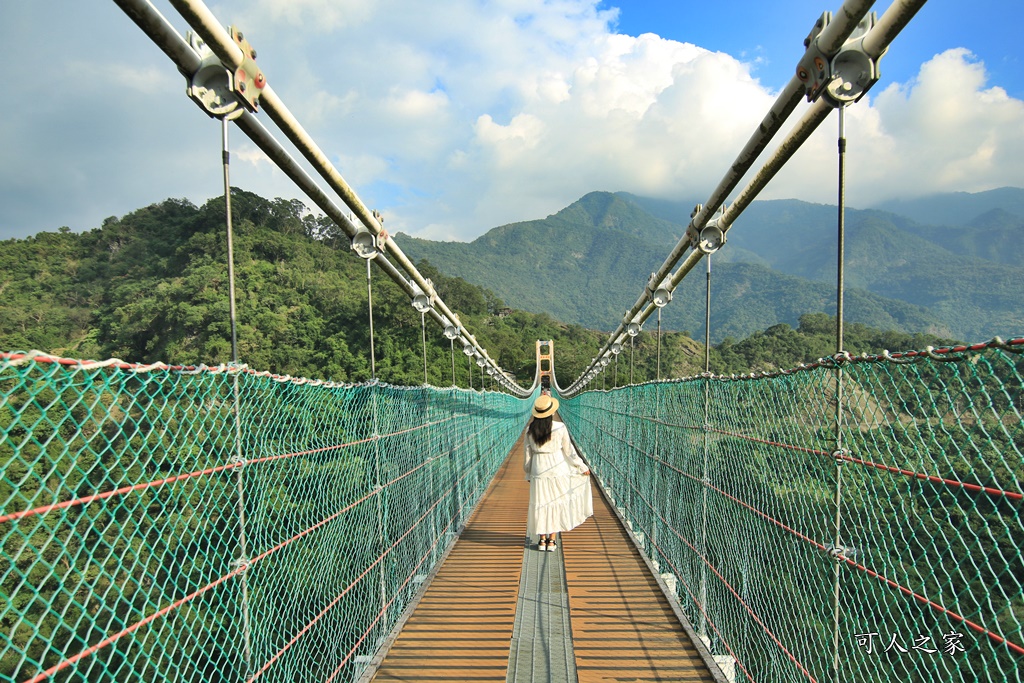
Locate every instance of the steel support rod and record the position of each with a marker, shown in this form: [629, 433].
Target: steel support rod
[226, 159]
[658, 374]
[707, 320]
[702, 630]
[423, 332]
[840, 295]
[369, 304]
[631, 347]
[237, 408]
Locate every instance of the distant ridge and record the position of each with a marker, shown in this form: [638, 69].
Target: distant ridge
[956, 208]
[588, 262]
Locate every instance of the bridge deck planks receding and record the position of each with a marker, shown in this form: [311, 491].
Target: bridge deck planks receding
[622, 625]
[462, 627]
[623, 628]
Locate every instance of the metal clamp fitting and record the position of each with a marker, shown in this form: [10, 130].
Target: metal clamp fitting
[712, 236]
[840, 552]
[660, 294]
[210, 86]
[846, 77]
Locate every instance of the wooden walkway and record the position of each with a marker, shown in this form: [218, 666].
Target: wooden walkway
[623, 627]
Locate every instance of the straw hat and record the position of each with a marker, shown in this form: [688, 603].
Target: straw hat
[545, 406]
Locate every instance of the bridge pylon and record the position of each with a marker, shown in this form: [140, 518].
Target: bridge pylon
[545, 363]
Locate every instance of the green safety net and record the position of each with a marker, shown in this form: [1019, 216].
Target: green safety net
[218, 524]
[888, 549]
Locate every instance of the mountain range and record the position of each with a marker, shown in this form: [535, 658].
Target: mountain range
[950, 265]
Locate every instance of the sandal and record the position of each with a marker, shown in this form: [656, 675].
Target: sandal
[542, 545]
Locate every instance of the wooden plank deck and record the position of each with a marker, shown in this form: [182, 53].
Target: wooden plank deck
[623, 626]
[462, 627]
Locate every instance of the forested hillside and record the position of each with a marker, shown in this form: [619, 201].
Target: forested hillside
[152, 286]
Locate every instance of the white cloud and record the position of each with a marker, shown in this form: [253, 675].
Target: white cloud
[943, 132]
[149, 80]
[948, 131]
[253, 156]
[457, 116]
[369, 167]
[316, 15]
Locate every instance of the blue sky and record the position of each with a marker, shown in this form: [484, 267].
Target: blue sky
[456, 116]
[773, 31]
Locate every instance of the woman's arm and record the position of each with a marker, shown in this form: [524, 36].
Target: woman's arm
[570, 454]
[527, 458]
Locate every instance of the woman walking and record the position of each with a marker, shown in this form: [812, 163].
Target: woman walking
[560, 494]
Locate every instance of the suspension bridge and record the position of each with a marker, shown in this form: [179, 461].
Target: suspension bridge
[855, 519]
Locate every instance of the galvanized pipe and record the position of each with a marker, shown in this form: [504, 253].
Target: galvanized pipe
[830, 40]
[808, 123]
[832, 37]
[889, 25]
[166, 37]
[219, 40]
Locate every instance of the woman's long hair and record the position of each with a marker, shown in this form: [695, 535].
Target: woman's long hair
[540, 430]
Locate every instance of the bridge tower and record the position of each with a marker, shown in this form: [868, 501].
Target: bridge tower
[545, 358]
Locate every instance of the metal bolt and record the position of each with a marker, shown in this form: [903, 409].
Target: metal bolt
[252, 53]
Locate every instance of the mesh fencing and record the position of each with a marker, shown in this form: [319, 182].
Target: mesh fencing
[881, 542]
[217, 524]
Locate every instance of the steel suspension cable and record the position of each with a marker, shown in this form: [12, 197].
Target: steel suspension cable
[167, 39]
[205, 23]
[830, 40]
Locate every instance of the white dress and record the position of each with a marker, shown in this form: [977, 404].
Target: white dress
[560, 494]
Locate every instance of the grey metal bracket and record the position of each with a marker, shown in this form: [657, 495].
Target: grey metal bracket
[659, 293]
[210, 86]
[219, 91]
[846, 77]
[840, 552]
[712, 236]
[813, 68]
